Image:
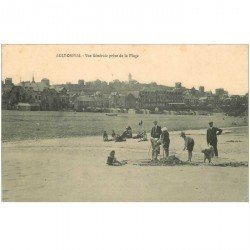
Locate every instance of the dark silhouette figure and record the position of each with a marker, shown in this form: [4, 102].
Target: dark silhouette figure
[212, 133]
[156, 131]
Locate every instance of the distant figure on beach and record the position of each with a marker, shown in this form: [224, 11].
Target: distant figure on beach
[113, 134]
[143, 137]
[127, 133]
[156, 131]
[120, 138]
[165, 141]
[189, 145]
[112, 161]
[212, 133]
[105, 136]
[38, 126]
[140, 123]
[138, 135]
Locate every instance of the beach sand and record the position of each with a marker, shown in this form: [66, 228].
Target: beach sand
[74, 169]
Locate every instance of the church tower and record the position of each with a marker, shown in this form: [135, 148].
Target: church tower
[129, 78]
[33, 79]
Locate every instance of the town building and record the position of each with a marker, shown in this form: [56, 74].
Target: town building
[202, 89]
[84, 102]
[178, 85]
[131, 99]
[117, 100]
[190, 100]
[219, 92]
[99, 95]
[45, 82]
[162, 100]
[8, 81]
[50, 100]
[129, 78]
[81, 82]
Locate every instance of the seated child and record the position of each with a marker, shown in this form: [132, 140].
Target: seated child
[112, 161]
[129, 132]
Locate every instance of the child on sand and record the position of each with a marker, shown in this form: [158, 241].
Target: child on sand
[112, 161]
[189, 145]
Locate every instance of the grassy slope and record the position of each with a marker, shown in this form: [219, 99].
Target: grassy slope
[21, 125]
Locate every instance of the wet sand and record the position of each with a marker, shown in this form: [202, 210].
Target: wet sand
[74, 169]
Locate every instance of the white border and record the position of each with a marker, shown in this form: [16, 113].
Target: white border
[124, 225]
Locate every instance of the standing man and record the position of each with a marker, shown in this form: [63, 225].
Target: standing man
[156, 131]
[155, 140]
[212, 133]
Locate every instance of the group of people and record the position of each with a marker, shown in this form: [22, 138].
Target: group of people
[127, 133]
[160, 137]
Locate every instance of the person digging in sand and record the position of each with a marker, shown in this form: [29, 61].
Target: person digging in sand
[155, 143]
[189, 145]
[165, 141]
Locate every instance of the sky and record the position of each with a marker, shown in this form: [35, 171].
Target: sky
[211, 66]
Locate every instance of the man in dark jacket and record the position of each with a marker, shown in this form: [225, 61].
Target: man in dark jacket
[156, 131]
[212, 133]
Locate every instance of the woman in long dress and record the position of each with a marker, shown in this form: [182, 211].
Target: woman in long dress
[165, 141]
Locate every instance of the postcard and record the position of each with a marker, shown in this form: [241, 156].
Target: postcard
[162, 123]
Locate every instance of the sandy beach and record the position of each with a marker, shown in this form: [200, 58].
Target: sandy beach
[74, 169]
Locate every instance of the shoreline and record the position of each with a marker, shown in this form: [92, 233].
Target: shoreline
[174, 132]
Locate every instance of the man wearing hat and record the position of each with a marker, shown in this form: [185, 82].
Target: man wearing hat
[155, 140]
[156, 131]
[212, 133]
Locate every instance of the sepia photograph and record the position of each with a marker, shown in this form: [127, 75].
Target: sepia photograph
[125, 123]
